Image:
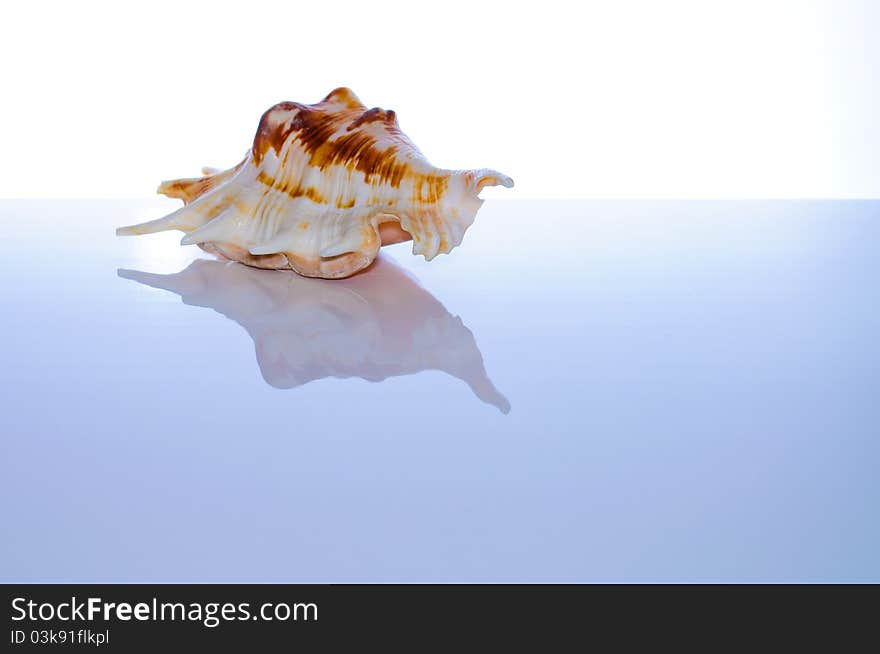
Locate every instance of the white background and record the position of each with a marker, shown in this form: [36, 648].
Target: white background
[598, 99]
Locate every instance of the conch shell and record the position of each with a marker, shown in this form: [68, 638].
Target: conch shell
[324, 186]
[372, 326]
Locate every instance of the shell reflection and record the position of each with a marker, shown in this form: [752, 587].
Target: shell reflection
[376, 325]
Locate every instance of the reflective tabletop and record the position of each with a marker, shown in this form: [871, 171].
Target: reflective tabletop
[583, 391]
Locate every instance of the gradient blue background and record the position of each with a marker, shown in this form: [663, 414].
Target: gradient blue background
[693, 390]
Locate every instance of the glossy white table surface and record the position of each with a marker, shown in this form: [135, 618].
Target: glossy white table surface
[584, 391]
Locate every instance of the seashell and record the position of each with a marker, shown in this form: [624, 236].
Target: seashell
[322, 188]
[372, 326]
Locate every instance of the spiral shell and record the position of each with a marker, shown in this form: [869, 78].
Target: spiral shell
[322, 189]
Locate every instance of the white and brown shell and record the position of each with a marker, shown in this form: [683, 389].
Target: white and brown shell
[324, 186]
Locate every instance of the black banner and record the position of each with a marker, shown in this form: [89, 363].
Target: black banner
[129, 618]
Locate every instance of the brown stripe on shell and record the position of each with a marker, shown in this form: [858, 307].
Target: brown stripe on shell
[190, 189]
[313, 127]
[372, 115]
[273, 129]
[297, 191]
[427, 189]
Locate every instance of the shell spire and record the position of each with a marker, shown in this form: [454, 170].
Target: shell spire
[322, 188]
